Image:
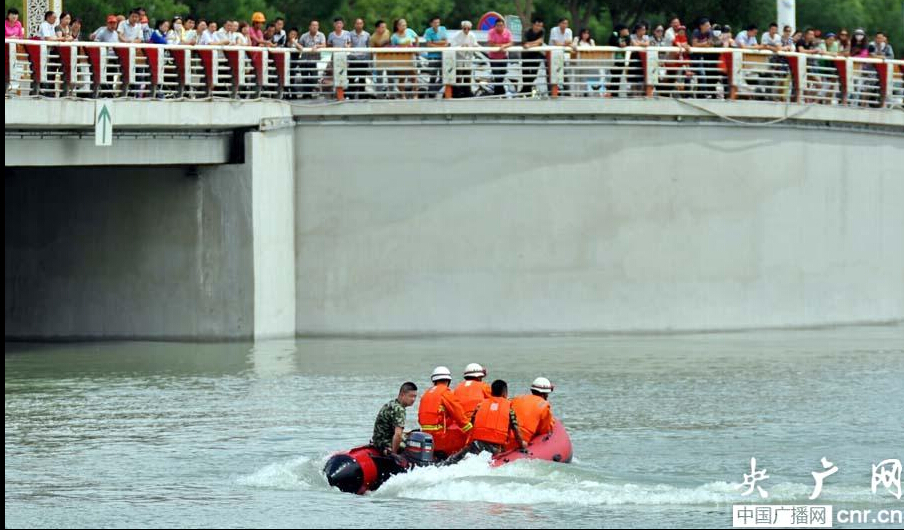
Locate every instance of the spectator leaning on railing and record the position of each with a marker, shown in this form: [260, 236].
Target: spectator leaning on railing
[702, 74]
[130, 30]
[76, 30]
[106, 33]
[530, 61]
[501, 38]
[279, 32]
[747, 38]
[435, 37]
[158, 36]
[561, 34]
[47, 29]
[358, 62]
[674, 24]
[13, 25]
[880, 48]
[772, 40]
[464, 60]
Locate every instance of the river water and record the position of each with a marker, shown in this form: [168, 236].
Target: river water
[234, 435]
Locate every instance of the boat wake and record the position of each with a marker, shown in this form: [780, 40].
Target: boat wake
[529, 482]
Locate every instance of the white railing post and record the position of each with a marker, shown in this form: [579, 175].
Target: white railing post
[801, 78]
[848, 80]
[265, 68]
[340, 74]
[556, 70]
[651, 71]
[449, 71]
[735, 74]
[44, 54]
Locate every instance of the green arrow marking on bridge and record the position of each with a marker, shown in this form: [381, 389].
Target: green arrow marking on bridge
[104, 116]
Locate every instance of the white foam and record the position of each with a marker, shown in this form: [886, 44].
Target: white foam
[296, 474]
[536, 482]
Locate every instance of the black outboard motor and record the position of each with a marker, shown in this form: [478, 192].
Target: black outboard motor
[419, 448]
[344, 472]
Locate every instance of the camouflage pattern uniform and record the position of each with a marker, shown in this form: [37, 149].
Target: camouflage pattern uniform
[392, 415]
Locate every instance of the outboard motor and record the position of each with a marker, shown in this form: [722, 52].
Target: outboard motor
[344, 472]
[419, 448]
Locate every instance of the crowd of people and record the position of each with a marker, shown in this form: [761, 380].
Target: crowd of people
[191, 30]
[472, 417]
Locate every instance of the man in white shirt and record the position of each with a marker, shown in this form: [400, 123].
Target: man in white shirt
[47, 31]
[228, 35]
[211, 37]
[672, 30]
[465, 60]
[130, 30]
[747, 38]
[772, 40]
[561, 34]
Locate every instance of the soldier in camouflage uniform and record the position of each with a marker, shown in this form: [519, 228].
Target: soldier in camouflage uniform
[390, 422]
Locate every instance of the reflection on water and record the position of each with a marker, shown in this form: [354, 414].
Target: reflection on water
[158, 434]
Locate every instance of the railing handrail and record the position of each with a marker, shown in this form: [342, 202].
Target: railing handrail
[419, 49]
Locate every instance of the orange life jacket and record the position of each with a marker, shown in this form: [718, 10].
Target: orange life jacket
[534, 416]
[470, 393]
[431, 413]
[491, 423]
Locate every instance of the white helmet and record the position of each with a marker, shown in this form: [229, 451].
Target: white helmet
[542, 385]
[441, 373]
[475, 370]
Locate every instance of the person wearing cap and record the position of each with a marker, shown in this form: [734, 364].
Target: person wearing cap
[829, 46]
[473, 389]
[533, 412]
[440, 411]
[106, 33]
[859, 44]
[256, 32]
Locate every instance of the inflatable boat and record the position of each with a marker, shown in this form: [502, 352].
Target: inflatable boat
[364, 469]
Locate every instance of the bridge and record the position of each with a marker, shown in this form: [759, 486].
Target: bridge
[239, 202]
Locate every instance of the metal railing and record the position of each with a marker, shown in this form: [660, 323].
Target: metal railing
[110, 70]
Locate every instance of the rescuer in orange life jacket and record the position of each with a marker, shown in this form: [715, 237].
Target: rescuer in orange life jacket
[533, 411]
[440, 412]
[495, 424]
[472, 390]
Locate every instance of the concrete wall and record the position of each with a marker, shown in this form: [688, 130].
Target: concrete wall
[272, 164]
[127, 252]
[478, 227]
[452, 216]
